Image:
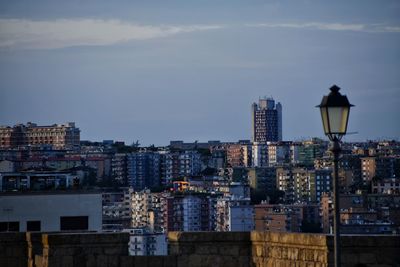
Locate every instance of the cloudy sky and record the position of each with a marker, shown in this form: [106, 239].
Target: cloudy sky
[156, 71]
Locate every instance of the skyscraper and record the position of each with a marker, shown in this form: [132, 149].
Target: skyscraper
[267, 121]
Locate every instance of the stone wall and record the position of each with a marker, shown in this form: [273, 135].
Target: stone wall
[372, 251]
[13, 249]
[285, 249]
[211, 248]
[269, 249]
[85, 249]
[198, 249]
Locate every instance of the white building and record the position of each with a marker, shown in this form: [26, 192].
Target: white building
[260, 155]
[191, 213]
[234, 215]
[147, 209]
[143, 242]
[117, 210]
[49, 212]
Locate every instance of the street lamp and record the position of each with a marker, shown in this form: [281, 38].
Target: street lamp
[335, 110]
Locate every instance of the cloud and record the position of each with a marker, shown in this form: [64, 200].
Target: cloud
[22, 33]
[60, 33]
[330, 26]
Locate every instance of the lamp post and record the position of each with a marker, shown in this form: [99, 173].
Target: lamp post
[335, 110]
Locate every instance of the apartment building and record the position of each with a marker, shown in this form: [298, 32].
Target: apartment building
[234, 214]
[50, 211]
[116, 210]
[267, 120]
[59, 136]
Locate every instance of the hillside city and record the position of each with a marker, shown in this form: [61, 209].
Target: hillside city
[51, 180]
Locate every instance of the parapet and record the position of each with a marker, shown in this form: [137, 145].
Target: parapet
[198, 249]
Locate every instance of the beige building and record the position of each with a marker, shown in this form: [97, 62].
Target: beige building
[60, 136]
[368, 168]
[238, 155]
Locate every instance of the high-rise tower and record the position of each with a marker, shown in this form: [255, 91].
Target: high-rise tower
[267, 121]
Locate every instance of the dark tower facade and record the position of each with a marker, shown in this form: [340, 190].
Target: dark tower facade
[267, 121]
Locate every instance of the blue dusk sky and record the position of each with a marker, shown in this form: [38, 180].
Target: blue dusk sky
[156, 71]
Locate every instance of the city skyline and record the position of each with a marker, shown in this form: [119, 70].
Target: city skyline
[156, 72]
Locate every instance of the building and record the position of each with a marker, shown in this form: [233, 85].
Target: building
[143, 242]
[276, 218]
[386, 186]
[234, 214]
[218, 157]
[302, 185]
[50, 211]
[119, 169]
[239, 154]
[116, 210]
[59, 136]
[195, 145]
[262, 178]
[181, 164]
[308, 151]
[279, 153]
[144, 170]
[380, 167]
[149, 210]
[363, 214]
[267, 121]
[36, 180]
[187, 212]
[259, 155]
[287, 218]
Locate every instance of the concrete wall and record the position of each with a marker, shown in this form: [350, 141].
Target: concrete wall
[198, 249]
[47, 208]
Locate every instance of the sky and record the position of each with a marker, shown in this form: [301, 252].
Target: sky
[156, 71]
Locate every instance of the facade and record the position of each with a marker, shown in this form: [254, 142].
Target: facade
[149, 210]
[380, 167]
[276, 218]
[259, 155]
[239, 155]
[386, 186]
[116, 210]
[143, 242]
[50, 212]
[302, 185]
[60, 136]
[144, 170]
[234, 215]
[363, 214]
[279, 153]
[262, 178]
[308, 152]
[218, 157]
[181, 164]
[286, 218]
[267, 121]
[119, 169]
[36, 180]
[190, 212]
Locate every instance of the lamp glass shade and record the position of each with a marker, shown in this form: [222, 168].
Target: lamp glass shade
[325, 122]
[335, 119]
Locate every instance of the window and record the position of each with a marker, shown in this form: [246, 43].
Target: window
[32, 226]
[9, 226]
[68, 223]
